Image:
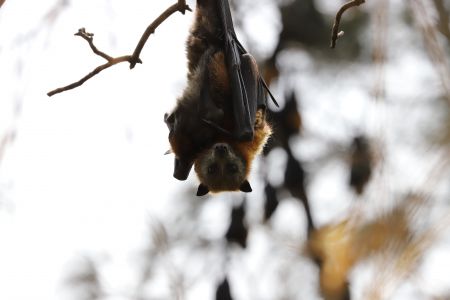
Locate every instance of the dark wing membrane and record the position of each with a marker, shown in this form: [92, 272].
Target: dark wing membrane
[249, 72]
[246, 83]
[243, 129]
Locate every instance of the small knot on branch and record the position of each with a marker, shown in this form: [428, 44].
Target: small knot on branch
[184, 9]
[134, 61]
[84, 34]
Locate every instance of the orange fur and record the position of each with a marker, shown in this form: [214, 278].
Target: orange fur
[248, 150]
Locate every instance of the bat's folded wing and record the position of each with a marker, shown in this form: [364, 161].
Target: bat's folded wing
[247, 86]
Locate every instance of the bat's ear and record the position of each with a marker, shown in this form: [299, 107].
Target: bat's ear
[182, 169]
[245, 187]
[202, 190]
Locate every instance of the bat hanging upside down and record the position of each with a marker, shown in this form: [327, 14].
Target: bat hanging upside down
[218, 124]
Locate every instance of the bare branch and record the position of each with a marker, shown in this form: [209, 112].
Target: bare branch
[181, 6]
[110, 63]
[89, 37]
[133, 59]
[335, 34]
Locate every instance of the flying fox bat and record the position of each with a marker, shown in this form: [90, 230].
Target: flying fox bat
[218, 124]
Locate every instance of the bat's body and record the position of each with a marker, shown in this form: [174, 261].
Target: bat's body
[219, 122]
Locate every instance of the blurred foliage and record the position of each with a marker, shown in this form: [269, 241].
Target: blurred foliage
[338, 247]
[86, 280]
[184, 249]
[313, 30]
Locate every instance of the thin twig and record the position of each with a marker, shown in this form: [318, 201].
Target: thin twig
[335, 34]
[181, 6]
[380, 47]
[97, 70]
[133, 59]
[89, 37]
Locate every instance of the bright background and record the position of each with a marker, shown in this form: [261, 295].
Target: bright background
[86, 174]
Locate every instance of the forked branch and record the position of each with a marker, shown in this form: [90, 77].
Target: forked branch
[335, 34]
[133, 59]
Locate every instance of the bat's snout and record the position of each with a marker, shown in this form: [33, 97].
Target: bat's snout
[221, 149]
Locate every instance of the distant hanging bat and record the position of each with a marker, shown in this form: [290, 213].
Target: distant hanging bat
[360, 164]
[219, 123]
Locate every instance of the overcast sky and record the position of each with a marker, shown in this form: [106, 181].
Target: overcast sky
[87, 167]
[86, 170]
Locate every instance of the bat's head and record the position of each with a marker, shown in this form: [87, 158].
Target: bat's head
[221, 168]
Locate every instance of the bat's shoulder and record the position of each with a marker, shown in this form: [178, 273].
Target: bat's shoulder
[262, 132]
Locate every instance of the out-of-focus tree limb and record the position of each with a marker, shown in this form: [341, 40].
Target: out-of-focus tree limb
[6, 140]
[444, 18]
[133, 59]
[335, 34]
[435, 49]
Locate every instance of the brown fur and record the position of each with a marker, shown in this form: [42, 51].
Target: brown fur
[241, 153]
[191, 139]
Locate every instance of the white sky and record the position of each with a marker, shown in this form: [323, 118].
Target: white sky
[87, 165]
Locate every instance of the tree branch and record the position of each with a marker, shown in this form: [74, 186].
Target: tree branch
[89, 37]
[335, 34]
[133, 59]
[97, 70]
[181, 6]
[444, 19]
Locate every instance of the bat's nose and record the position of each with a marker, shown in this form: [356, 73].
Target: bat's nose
[221, 149]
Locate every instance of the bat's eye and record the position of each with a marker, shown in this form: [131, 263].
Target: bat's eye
[212, 168]
[232, 168]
